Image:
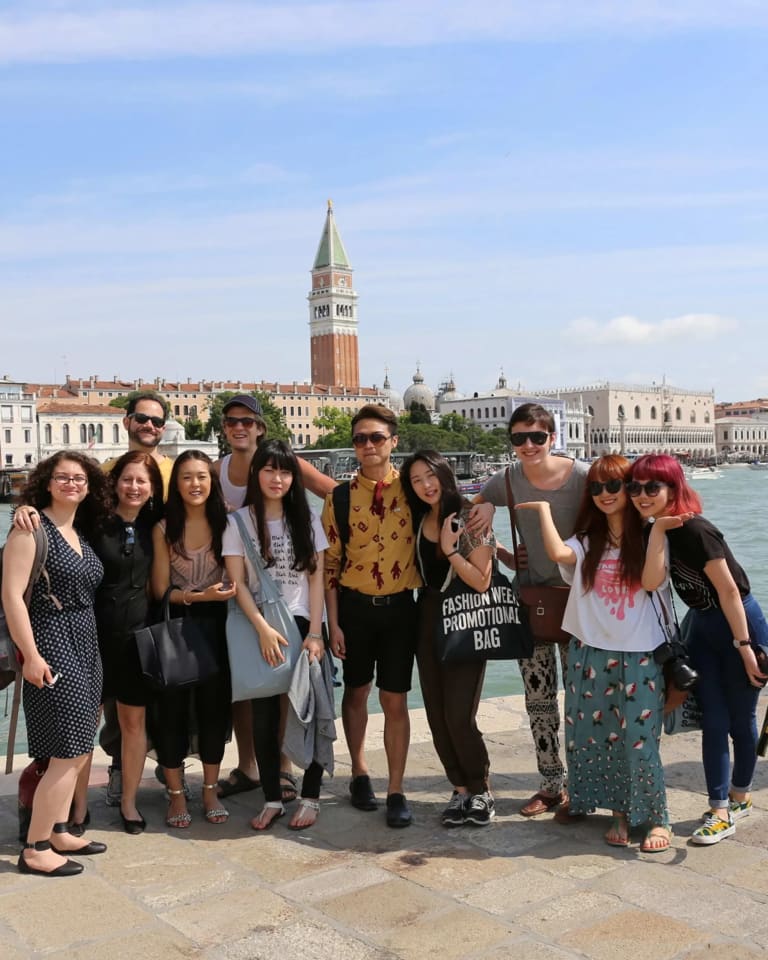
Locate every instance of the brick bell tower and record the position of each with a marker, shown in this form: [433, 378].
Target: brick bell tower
[333, 313]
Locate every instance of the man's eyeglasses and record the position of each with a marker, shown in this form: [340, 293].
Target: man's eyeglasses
[539, 437]
[247, 422]
[612, 486]
[377, 439]
[142, 418]
[129, 540]
[63, 480]
[650, 489]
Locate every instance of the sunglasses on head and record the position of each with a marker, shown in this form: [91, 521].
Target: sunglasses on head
[539, 437]
[360, 439]
[596, 487]
[143, 418]
[651, 489]
[247, 422]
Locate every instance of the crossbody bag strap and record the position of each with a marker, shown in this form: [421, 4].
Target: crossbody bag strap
[511, 508]
[256, 561]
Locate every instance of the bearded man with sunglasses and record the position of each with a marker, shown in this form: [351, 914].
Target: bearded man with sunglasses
[536, 475]
[370, 576]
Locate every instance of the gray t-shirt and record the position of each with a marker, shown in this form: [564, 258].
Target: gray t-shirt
[565, 503]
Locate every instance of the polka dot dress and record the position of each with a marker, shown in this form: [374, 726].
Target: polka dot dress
[62, 719]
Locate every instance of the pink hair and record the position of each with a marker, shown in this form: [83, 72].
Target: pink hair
[659, 466]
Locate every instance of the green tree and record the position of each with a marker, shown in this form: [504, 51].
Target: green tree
[335, 429]
[121, 401]
[419, 413]
[195, 429]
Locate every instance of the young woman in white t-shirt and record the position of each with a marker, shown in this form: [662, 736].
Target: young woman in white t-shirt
[290, 539]
[614, 693]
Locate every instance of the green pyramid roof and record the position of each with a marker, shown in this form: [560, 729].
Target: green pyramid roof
[331, 252]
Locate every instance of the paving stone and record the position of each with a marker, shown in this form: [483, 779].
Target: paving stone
[158, 943]
[454, 870]
[550, 920]
[382, 907]
[634, 935]
[277, 858]
[298, 941]
[453, 934]
[731, 951]
[241, 913]
[526, 950]
[46, 913]
[333, 883]
[512, 895]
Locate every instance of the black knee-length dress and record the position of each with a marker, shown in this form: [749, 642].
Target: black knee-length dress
[62, 719]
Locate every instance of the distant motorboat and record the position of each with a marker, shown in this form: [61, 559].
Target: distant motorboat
[705, 473]
[344, 477]
[758, 465]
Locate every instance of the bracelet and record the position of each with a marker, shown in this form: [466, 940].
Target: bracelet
[187, 603]
[314, 636]
[449, 555]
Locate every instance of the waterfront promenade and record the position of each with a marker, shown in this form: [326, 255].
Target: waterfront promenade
[352, 889]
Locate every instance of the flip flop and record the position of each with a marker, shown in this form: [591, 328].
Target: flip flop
[666, 839]
[289, 788]
[617, 827]
[237, 782]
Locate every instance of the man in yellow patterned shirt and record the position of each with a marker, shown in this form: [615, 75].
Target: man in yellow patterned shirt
[371, 575]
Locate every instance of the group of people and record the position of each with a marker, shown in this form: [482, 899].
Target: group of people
[145, 529]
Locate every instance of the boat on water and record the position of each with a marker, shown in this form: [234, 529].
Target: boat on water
[758, 465]
[705, 473]
[472, 486]
[344, 477]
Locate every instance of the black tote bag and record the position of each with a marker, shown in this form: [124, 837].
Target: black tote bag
[179, 651]
[473, 626]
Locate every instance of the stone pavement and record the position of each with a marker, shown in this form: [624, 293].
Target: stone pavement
[352, 889]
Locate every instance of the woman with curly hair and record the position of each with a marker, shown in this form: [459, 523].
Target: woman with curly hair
[57, 639]
[188, 561]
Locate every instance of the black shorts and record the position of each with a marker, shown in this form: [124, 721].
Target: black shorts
[379, 638]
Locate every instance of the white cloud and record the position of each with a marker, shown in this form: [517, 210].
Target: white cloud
[35, 32]
[632, 331]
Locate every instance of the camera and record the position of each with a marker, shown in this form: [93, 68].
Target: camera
[673, 656]
[456, 524]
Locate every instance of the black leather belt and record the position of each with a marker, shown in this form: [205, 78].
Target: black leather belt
[390, 600]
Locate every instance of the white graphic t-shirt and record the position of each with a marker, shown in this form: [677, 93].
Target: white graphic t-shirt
[294, 584]
[611, 616]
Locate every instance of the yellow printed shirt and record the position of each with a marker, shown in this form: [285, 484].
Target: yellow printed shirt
[380, 557]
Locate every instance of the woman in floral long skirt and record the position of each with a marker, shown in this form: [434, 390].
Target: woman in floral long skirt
[614, 696]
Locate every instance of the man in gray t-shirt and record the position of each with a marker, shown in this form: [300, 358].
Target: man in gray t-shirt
[537, 475]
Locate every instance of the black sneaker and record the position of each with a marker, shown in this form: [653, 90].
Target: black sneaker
[361, 793]
[453, 815]
[398, 812]
[480, 810]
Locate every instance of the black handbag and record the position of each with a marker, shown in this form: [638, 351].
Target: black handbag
[472, 626]
[178, 652]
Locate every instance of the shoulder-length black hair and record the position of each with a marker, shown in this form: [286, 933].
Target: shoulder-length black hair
[298, 519]
[592, 526]
[175, 512]
[451, 501]
[92, 510]
[152, 510]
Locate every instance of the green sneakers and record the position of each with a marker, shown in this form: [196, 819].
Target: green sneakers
[713, 830]
[738, 808]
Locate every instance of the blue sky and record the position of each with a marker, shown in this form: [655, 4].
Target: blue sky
[573, 191]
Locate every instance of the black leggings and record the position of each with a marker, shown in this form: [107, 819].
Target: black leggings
[266, 744]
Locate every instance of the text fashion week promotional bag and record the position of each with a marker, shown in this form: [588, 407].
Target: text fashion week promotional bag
[252, 676]
[473, 625]
[179, 651]
[545, 605]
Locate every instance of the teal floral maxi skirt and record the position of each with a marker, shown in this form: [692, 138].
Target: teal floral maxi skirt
[614, 705]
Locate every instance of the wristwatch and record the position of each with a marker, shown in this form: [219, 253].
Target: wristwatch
[740, 643]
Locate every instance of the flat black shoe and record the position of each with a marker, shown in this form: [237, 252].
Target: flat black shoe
[133, 827]
[361, 793]
[78, 829]
[68, 869]
[88, 850]
[398, 812]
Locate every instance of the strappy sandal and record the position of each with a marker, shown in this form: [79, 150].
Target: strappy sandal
[259, 823]
[652, 835]
[288, 786]
[215, 814]
[618, 833]
[178, 821]
[305, 806]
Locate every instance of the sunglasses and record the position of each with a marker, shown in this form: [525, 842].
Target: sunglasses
[129, 541]
[143, 418]
[539, 437]
[650, 489]
[247, 422]
[377, 439]
[612, 486]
